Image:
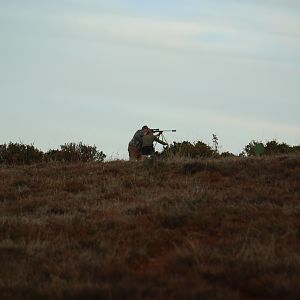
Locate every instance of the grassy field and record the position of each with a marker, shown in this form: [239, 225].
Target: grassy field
[184, 229]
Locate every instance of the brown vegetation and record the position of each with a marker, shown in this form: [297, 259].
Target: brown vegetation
[185, 229]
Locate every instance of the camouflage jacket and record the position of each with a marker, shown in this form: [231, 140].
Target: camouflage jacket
[137, 140]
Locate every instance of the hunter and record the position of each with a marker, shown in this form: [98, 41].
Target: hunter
[136, 143]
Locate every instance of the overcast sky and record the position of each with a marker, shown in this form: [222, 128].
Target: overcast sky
[96, 71]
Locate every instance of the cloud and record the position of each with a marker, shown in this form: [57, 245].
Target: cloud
[256, 29]
[134, 29]
[266, 37]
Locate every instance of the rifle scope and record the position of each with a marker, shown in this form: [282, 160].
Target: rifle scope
[162, 130]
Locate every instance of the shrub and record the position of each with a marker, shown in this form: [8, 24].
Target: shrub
[72, 152]
[252, 148]
[255, 148]
[227, 154]
[273, 147]
[187, 149]
[19, 153]
[296, 148]
[54, 155]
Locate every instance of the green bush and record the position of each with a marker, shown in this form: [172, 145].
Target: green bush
[54, 155]
[72, 152]
[19, 153]
[253, 148]
[187, 149]
[296, 148]
[256, 148]
[227, 154]
[273, 147]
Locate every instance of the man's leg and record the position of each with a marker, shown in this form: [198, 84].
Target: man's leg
[133, 153]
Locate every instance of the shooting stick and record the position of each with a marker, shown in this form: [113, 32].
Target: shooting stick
[162, 137]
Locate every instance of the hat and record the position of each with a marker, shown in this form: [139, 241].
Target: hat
[145, 127]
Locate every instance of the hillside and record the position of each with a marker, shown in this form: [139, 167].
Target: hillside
[185, 229]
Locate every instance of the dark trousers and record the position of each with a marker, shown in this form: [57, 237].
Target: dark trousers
[147, 150]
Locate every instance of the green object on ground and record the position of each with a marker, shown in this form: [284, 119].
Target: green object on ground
[259, 149]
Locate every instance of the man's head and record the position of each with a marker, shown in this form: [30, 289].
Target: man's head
[145, 129]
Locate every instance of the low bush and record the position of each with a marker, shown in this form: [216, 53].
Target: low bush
[257, 148]
[188, 149]
[73, 152]
[19, 153]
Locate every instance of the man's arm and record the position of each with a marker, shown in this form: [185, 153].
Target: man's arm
[160, 141]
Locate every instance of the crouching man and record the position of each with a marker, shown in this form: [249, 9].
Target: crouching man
[136, 143]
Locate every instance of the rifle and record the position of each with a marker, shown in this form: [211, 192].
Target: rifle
[160, 133]
[157, 130]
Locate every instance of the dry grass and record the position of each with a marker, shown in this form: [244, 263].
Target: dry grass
[185, 229]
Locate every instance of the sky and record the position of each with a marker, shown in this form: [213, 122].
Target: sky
[96, 71]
